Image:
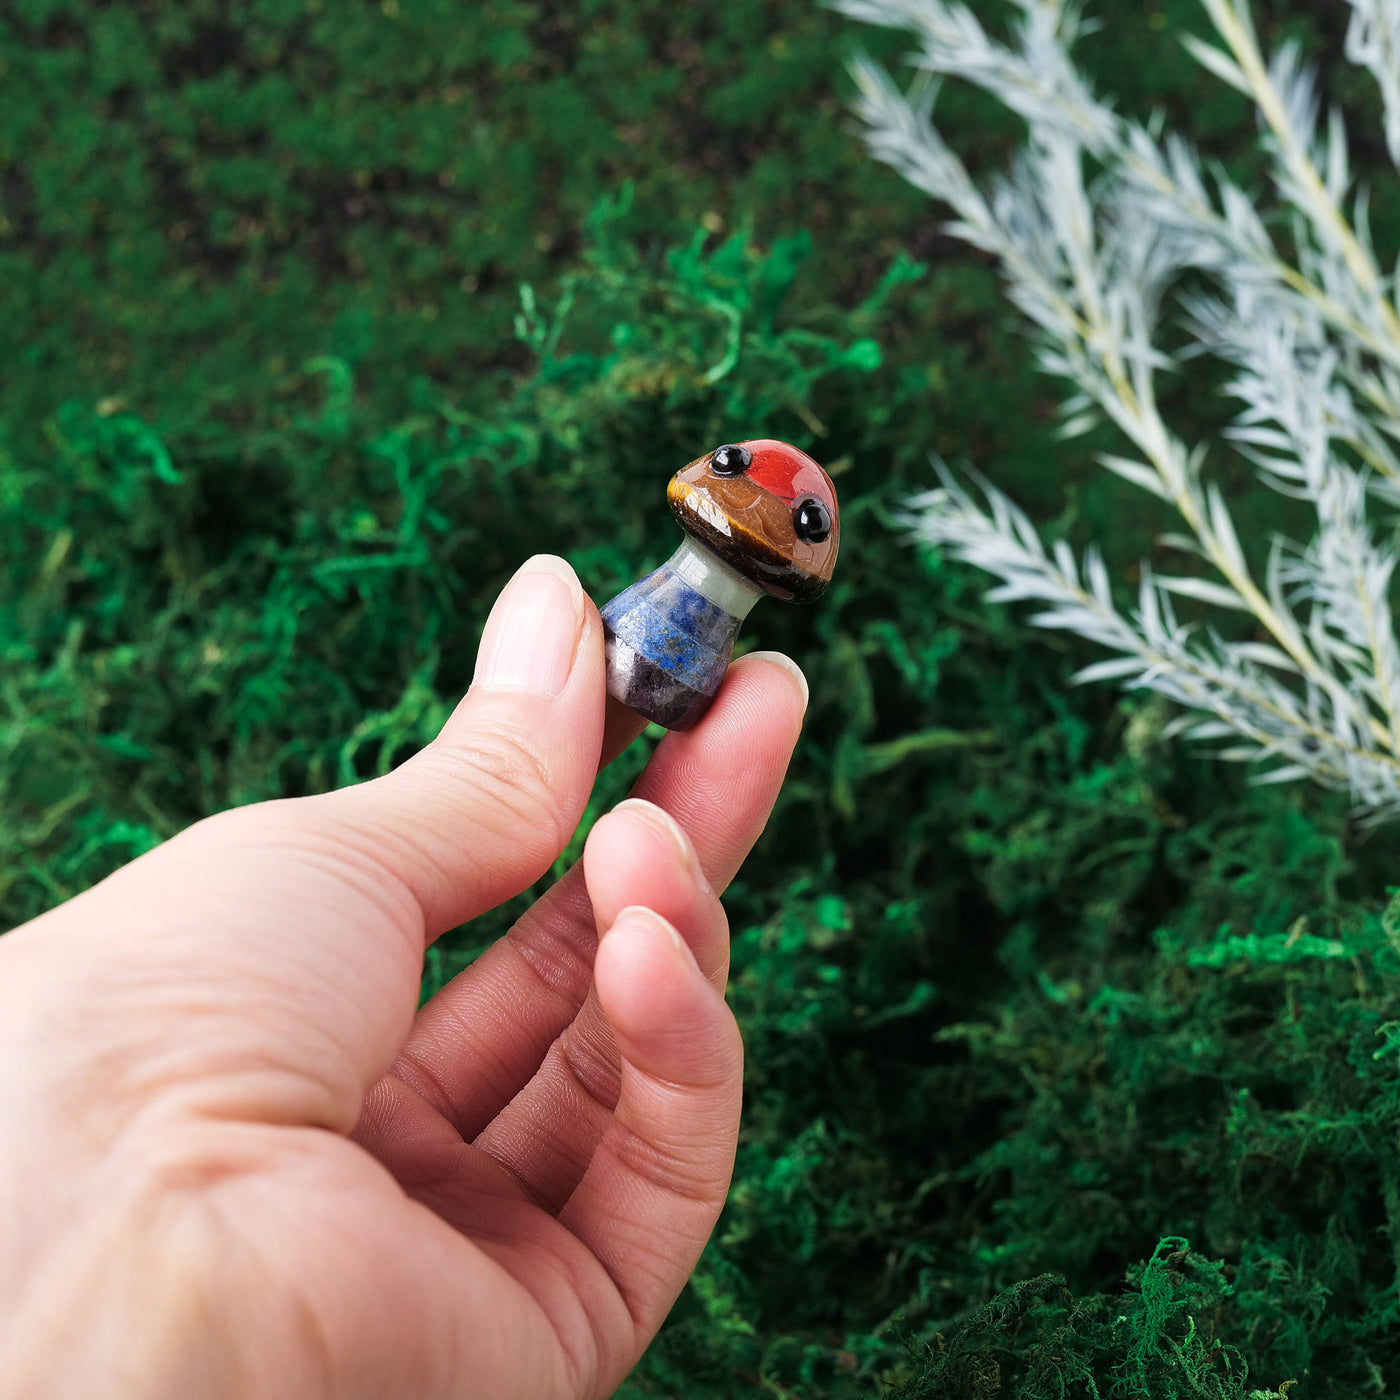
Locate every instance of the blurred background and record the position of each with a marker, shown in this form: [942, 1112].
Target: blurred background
[318, 316]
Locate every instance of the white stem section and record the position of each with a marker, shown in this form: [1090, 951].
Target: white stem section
[713, 579]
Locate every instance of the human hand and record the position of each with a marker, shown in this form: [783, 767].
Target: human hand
[235, 1160]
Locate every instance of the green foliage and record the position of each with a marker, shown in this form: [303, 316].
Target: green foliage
[1025, 990]
[199, 197]
[182, 620]
[1040, 1340]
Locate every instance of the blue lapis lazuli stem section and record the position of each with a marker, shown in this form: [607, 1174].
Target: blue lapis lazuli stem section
[668, 648]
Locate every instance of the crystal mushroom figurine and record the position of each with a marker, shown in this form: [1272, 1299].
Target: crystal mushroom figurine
[759, 517]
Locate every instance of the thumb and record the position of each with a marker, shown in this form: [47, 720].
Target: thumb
[486, 808]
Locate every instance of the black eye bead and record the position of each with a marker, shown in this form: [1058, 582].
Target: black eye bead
[812, 520]
[731, 459]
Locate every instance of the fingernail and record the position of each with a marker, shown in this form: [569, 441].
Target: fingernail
[662, 820]
[776, 658]
[638, 915]
[532, 634]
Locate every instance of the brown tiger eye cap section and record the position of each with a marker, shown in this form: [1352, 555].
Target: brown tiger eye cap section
[748, 519]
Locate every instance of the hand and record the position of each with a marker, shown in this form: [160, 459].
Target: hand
[235, 1161]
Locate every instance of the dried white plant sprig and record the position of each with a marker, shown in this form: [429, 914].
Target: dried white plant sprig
[1251, 693]
[1373, 42]
[1314, 344]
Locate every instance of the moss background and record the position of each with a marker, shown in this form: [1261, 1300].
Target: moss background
[1074, 1062]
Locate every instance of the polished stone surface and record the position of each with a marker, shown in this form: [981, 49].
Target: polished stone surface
[751, 518]
[668, 644]
[760, 516]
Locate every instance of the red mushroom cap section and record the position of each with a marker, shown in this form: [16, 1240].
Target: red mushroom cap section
[787, 472]
[777, 522]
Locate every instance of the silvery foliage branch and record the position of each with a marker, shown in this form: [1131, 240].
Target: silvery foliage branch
[1313, 342]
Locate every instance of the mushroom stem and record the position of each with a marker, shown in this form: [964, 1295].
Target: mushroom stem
[704, 571]
[671, 634]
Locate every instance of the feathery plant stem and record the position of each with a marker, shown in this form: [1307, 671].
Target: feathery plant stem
[1233, 21]
[1314, 343]
[1373, 42]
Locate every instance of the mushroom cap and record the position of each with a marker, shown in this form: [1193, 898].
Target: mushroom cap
[776, 521]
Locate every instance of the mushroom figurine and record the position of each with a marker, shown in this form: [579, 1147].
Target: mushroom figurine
[759, 517]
